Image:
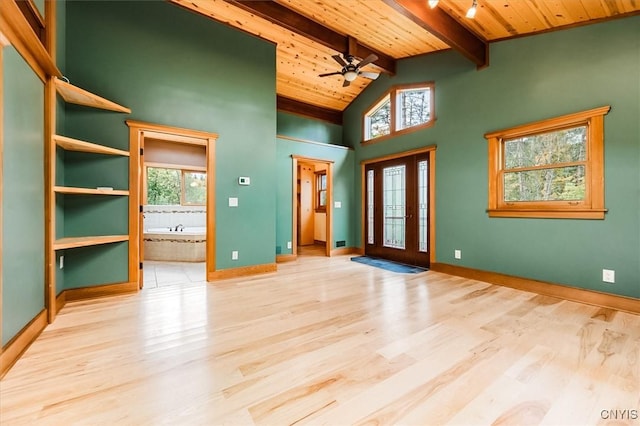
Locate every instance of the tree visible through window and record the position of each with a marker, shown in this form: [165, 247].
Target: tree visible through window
[195, 187]
[546, 167]
[552, 168]
[414, 107]
[402, 109]
[379, 119]
[163, 186]
[169, 186]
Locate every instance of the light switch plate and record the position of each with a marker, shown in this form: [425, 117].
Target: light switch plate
[233, 202]
[337, 204]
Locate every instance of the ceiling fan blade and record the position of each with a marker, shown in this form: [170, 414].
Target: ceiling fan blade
[369, 59]
[330, 73]
[371, 75]
[346, 83]
[339, 60]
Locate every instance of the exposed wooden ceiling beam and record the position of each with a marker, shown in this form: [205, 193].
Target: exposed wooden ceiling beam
[300, 108]
[293, 21]
[447, 29]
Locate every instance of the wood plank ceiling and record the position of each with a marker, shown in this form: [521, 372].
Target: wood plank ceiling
[309, 32]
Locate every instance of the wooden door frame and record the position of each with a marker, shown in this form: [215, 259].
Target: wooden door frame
[138, 131]
[329, 214]
[431, 151]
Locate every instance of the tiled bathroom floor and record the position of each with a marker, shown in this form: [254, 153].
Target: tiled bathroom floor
[165, 274]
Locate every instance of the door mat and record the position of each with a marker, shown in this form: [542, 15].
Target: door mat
[389, 265]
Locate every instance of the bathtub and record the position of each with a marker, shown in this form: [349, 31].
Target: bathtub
[188, 245]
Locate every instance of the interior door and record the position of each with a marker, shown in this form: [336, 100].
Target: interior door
[306, 174]
[397, 209]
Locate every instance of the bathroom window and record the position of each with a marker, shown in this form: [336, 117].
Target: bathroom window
[321, 191]
[163, 186]
[175, 186]
[195, 187]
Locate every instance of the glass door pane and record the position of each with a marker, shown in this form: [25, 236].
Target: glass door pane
[370, 207]
[394, 206]
[423, 185]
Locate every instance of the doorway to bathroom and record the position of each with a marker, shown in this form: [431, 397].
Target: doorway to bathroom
[174, 220]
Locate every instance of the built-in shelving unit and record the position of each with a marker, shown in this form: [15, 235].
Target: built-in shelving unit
[90, 200]
[75, 242]
[75, 95]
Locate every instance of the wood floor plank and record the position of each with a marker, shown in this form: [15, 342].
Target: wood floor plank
[327, 341]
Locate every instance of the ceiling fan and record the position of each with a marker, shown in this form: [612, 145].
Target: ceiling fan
[351, 71]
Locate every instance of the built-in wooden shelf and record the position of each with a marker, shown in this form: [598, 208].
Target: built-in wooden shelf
[12, 20]
[74, 242]
[88, 191]
[70, 144]
[75, 95]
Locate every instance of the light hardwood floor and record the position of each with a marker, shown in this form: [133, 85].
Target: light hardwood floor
[329, 341]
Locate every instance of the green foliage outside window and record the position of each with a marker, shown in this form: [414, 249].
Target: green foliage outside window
[165, 186]
[546, 167]
[403, 109]
[195, 188]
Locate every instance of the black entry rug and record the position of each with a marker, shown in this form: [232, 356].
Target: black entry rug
[388, 265]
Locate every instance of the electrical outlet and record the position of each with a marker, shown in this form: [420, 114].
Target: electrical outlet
[288, 244]
[234, 255]
[61, 262]
[457, 254]
[609, 276]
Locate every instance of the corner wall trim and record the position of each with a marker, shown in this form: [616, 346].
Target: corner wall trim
[589, 297]
[241, 271]
[282, 258]
[61, 300]
[14, 349]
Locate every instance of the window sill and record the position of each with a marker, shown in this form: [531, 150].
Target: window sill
[549, 214]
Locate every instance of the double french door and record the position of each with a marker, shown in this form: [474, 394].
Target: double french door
[397, 209]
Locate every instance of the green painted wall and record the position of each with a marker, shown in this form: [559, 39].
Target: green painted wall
[308, 129]
[529, 79]
[343, 180]
[177, 68]
[23, 195]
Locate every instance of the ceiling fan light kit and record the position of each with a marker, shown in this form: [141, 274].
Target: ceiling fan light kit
[350, 75]
[350, 71]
